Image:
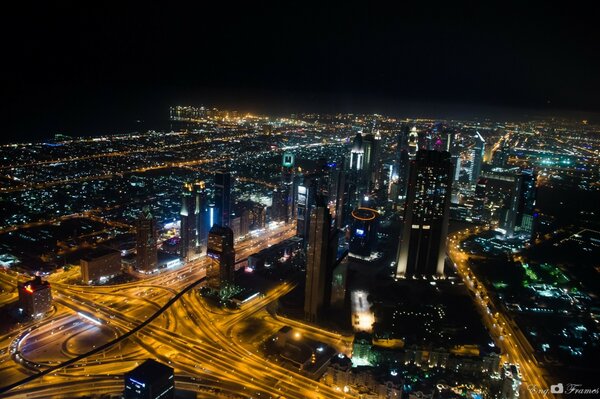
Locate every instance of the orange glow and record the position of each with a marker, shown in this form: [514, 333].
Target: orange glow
[29, 289]
[371, 217]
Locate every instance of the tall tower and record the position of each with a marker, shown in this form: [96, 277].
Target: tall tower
[189, 231]
[221, 252]
[526, 203]
[223, 197]
[146, 241]
[413, 143]
[357, 154]
[422, 249]
[287, 186]
[477, 157]
[320, 257]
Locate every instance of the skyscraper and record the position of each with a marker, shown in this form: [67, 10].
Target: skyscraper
[321, 254]
[477, 157]
[146, 242]
[191, 214]
[223, 197]
[220, 271]
[287, 186]
[357, 154]
[422, 249]
[526, 203]
[413, 142]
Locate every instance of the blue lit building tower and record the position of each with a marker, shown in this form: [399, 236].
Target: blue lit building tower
[150, 380]
[422, 249]
[223, 197]
[364, 231]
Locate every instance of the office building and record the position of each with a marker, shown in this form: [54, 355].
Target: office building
[321, 253]
[100, 265]
[146, 242]
[220, 271]
[357, 154]
[413, 143]
[223, 197]
[363, 235]
[35, 297]
[422, 248]
[192, 212]
[526, 203]
[150, 380]
[477, 157]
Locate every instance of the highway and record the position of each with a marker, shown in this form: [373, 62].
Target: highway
[179, 329]
[515, 347]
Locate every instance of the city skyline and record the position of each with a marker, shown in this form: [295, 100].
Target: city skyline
[300, 201]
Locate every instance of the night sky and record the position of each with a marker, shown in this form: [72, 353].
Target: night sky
[101, 69]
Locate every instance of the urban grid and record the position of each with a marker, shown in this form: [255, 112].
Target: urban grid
[229, 253]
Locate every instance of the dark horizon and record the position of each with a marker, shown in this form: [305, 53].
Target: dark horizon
[96, 70]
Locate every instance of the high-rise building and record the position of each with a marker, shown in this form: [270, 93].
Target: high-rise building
[146, 242]
[363, 235]
[321, 253]
[479, 201]
[287, 186]
[413, 142]
[305, 200]
[526, 205]
[150, 380]
[220, 271]
[357, 154]
[35, 297]
[192, 210]
[517, 214]
[223, 197]
[422, 249]
[477, 157]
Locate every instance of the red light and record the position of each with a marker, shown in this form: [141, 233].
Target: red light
[29, 289]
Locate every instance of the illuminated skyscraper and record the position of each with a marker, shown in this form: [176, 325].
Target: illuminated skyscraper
[223, 197]
[477, 157]
[364, 231]
[526, 203]
[321, 254]
[35, 297]
[146, 241]
[413, 142]
[287, 185]
[220, 271]
[282, 208]
[422, 249]
[192, 210]
[357, 154]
